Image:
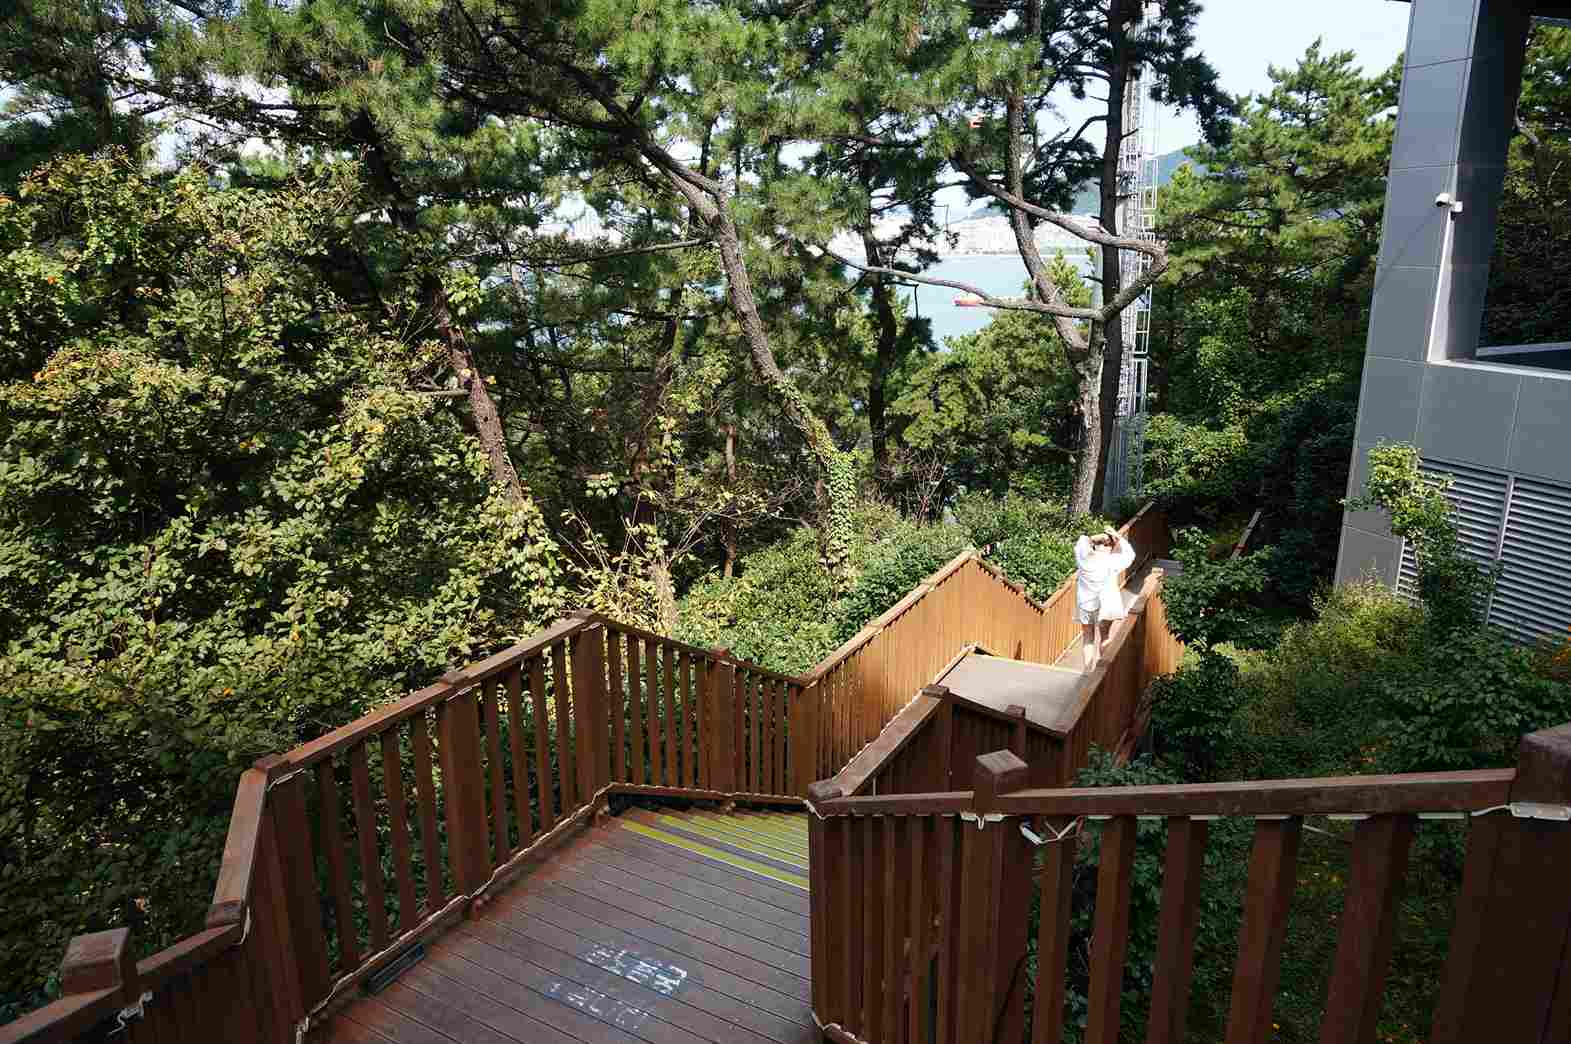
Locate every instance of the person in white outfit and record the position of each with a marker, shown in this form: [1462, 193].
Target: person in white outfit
[1098, 595]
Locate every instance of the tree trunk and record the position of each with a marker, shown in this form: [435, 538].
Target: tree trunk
[1112, 257]
[728, 526]
[488, 422]
[665, 593]
[1088, 407]
[838, 469]
[883, 360]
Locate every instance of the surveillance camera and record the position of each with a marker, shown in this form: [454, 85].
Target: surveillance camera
[1443, 200]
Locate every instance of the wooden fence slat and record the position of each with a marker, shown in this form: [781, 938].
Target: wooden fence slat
[652, 691]
[873, 957]
[425, 795]
[1182, 870]
[1110, 933]
[545, 788]
[782, 786]
[897, 899]
[463, 792]
[1368, 925]
[519, 755]
[616, 705]
[688, 708]
[493, 744]
[1272, 868]
[1056, 886]
[591, 731]
[673, 729]
[337, 869]
[297, 857]
[635, 704]
[920, 923]
[398, 820]
[562, 700]
[948, 906]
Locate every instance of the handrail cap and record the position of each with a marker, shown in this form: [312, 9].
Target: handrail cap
[824, 790]
[1543, 767]
[98, 961]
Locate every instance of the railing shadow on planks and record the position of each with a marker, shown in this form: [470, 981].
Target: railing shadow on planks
[920, 903]
[346, 851]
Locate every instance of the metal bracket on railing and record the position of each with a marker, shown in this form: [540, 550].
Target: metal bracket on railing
[981, 819]
[134, 1011]
[1535, 810]
[1058, 835]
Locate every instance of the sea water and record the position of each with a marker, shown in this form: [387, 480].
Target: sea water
[1002, 275]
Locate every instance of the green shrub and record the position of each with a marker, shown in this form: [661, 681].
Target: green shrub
[894, 566]
[771, 612]
[1467, 704]
[1193, 712]
[1209, 602]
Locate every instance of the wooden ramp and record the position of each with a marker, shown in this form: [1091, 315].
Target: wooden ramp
[657, 927]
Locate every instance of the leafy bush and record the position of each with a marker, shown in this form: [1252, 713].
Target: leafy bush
[1032, 541]
[1452, 587]
[1468, 703]
[894, 566]
[771, 612]
[1208, 602]
[225, 525]
[1192, 714]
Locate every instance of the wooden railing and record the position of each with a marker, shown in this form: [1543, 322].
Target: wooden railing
[865, 683]
[932, 742]
[408, 816]
[920, 903]
[348, 850]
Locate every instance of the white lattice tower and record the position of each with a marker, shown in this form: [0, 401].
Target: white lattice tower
[1137, 187]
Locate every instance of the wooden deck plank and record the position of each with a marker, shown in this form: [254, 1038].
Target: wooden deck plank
[643, 980]
[617, 866]
[761, 972]
[559, 875]
[515, 1007]
[654, 889]
[735, 976]
[737, 996]
[695, 866]
[627, 1004]
[713, 904]
[442, 1003]
[617, 938]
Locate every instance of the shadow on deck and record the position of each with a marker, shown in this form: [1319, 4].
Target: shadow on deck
[654, 927]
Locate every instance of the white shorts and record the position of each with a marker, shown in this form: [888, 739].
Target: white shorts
[1090, 612]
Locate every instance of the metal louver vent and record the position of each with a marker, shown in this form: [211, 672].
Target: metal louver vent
[1478, 501]
[1533, 597]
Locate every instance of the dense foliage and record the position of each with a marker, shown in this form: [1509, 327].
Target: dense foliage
[226, 525]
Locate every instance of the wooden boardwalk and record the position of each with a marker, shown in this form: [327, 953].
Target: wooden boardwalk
[657, 927]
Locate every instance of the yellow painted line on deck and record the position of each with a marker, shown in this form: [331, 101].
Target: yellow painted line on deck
[728, 858]
[725, 837]
[741, 830]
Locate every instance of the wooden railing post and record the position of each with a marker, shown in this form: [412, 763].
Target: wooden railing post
[823, 956]
[944, 726]
[100, 961]
[463, 800]
[591, 724]
[995, 898]
[802, 740]
[1508, 974]
[285, 940]
[720, 691]
[1017, 735]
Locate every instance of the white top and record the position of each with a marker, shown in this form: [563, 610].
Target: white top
[1097, 580]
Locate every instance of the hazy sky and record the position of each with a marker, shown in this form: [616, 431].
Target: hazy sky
[1243, 37]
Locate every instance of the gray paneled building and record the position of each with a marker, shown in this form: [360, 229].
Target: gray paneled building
[1498, 418]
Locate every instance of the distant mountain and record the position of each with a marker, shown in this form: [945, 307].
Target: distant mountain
[1089, 199]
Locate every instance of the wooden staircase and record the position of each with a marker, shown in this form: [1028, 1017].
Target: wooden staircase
[657, 926]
